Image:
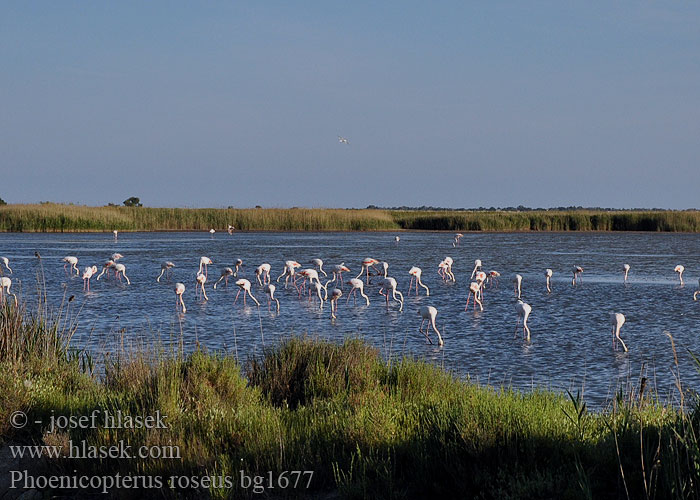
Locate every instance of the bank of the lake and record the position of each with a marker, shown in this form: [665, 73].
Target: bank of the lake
[365, 426]
[50, 217]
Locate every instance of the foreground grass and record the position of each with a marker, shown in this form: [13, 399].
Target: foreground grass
[366, 427]
[59, 218]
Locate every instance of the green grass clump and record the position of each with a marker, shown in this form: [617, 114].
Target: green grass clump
[367, 427]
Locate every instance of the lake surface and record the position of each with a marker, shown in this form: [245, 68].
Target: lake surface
[571, 344]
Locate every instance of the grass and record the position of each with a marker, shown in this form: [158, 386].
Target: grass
[367, 427]
[51, 217]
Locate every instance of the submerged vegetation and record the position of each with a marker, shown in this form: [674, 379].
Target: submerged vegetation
[367, 427]
[50, 217]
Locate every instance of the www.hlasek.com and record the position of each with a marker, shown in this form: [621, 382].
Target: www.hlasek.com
[123, 449]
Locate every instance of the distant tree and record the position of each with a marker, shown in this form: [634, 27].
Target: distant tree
[2, 202]
[133, 202]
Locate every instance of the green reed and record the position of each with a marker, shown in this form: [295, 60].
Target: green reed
[51, 217]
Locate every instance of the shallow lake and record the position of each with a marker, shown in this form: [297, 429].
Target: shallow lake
[571, 344]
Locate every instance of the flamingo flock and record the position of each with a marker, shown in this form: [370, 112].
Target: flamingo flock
[299, 279]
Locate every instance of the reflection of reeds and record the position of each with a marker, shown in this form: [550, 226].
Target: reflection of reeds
[367, 426]
[54, 217]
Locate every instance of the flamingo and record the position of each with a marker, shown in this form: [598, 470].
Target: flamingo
[577, 272]
[230, 229]
[356, 285]
[679, 269]
[366, 264]
[415, 273]
[203, 263]
[73, 261]
[493, 276]
[480, 279]
[120, 268]
[626, 269]
[518, 282]
[270, 291]
[116, 234]
[548, 275]
[88, 272]
[319, 263]
[445, 269]
[695, 295]
[201, 279]
[338, 271]
[5, 284]
[165, 268]
[244, 286]
[616, 321]
[179, 290]
[264, 270]
[212, 231]
[429, 313]
[6, 261]
[239, 263]
[336, 293]
[458, 237]
[116, 256]
[474, 289]
[390, 284]
[397, 239]
[225, 273]
[105, 268]
[289, 270]
[523, 309]
[477, 267]
[318, 287]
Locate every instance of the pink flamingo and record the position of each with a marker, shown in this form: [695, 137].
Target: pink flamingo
[88, 272]
[577, 272]
[5, 284]
[225, 273]
[480, 279]
[179, 290]
[493, 276]
[165, 268]
[616, 321]
[6, 261]
[416, 273]
[270, 291]
[366, 264]
[244, 286]
[319, 264]
[445, 269]
[474, 289]
[477, 267]
[679, 269]
[458, 237]
[695, 295]
[518, 281]
[390, 285]
[116, 256]
[336, 293]
[429, 313]
[626, 269]
[338, 271]
[289, 271]
[239, 264]
[548, 276]
[201, 279]
[356, 285]
[73, 261]
[523, 309]
[105, 268]
[264, 271]
[203, 263]
[120, 268]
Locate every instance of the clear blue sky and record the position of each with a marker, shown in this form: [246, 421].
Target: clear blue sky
[456, 104]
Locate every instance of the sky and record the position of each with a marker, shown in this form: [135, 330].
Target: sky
[451, 104]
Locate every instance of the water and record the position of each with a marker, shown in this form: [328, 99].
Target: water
[571, 345]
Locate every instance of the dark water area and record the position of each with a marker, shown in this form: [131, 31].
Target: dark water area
[571, 345]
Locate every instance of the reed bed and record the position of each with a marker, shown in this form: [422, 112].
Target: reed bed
[50, 217]
[368, 427]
